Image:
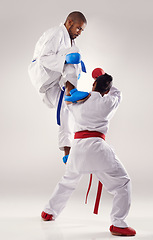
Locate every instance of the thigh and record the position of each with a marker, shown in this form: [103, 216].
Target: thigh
[113, 178]
[53, 94]
[71, 179]
[70, 74]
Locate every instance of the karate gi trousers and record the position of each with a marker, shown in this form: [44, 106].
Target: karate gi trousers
[51, 98]
[65, 135]
[50, 94]
[94, 155]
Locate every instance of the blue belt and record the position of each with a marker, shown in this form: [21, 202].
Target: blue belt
[62, 94]
[59, 106]
[83, 68]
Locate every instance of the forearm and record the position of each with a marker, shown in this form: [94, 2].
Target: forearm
[114, 92]
[53, 59]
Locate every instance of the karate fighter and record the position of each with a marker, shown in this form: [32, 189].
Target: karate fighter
[91, 154]
[56, 66]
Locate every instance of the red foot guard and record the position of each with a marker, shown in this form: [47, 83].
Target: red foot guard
[46, 216]
[122, 231]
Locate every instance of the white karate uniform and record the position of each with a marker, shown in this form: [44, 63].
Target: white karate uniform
[49, 73]
[94, 155]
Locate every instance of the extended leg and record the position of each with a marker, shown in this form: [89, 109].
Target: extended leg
[65, 131]
[70, 80]
[117, 182]
[62, 193]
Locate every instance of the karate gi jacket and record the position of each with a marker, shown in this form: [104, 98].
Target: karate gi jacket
[47, 64]
[93, 154]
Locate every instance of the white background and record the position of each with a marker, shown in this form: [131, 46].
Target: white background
[119, 39]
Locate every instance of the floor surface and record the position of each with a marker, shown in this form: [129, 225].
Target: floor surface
[20, 219]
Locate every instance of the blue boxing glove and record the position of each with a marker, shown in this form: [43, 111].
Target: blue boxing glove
[73, 58]
[65, 158]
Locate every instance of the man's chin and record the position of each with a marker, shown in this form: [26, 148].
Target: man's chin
[74, 37]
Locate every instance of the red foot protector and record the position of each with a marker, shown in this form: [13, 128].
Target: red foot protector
[97, 72]
[122, 231]
[46, 216]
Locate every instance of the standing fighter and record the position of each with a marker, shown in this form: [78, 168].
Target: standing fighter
[56, 66]
[91, 154]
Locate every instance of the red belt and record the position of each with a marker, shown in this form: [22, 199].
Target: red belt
[88, 134]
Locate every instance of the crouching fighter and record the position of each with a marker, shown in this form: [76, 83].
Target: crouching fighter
[91, 154]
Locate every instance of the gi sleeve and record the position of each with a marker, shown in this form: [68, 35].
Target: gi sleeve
[113, 98]
[53, 58]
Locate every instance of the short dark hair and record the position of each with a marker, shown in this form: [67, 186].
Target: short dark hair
[103, 83]
[77, 16]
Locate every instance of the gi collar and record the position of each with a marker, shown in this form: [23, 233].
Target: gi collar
[66, 34]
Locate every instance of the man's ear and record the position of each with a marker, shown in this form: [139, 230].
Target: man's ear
[70, 22]
[107, 92]
[94, 84]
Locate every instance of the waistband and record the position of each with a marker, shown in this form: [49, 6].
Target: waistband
[88, 134]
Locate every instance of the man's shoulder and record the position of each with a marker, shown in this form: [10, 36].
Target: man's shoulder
[96, 94]
[57, 30]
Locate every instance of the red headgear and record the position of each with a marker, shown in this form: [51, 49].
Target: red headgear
[97, 72]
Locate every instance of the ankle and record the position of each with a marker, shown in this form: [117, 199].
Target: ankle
[66, 150]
